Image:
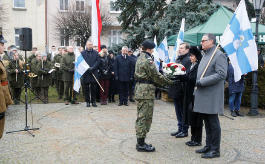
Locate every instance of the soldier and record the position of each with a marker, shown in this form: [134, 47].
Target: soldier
[50, 57]
[44, 77]
[16, 80]
[57, 61]
[147, 76]
[32, 56]
[68, 67]
[34, 69]
[5, 98]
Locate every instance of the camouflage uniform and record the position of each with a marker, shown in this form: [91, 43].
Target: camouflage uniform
[147, 75]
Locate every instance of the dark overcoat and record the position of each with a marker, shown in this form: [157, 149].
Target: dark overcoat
[123, 68]
[189, 116]
[104, 65]
[113, 85]
[92, 59]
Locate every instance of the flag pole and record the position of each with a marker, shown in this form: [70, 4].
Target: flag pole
[209, 61]
[98, 82]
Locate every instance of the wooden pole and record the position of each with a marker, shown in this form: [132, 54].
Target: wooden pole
[98, 82]
[209, 61]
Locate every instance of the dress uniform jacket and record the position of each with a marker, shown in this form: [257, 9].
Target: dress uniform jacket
[46, 81]
[57, 59]
[16, 80]
[34, 69]
[67, 64]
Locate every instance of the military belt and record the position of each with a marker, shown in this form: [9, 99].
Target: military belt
[4, 83]
[145, 81]
[2, 115]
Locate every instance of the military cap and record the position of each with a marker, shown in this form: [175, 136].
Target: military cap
[2, 40]
[196, 52]
[148, 44]
[43, 54]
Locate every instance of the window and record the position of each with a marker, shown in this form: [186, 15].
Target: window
[64, 5]
[112, 10]
[114, 37]
[65, 39]
[78, 42]
[80, 5]
[19, 4]
[16, 37]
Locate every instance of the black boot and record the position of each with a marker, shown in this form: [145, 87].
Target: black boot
[112, 97]
[109, 98]
[141, 146]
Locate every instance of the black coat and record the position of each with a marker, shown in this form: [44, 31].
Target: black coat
[123, 68]
[92, 59]
[189, 117]
[113, 85]
[104, 65]
[177, 91]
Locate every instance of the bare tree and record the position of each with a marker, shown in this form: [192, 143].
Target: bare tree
[77, 24]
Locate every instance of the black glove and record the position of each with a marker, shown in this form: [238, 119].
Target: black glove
[72, 70]
[131, 79]
[198, 84]
[116, 78]
[90, 70]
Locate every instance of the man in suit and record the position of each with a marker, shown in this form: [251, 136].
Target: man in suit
[92, 59]
[123, 72]
[210, 88]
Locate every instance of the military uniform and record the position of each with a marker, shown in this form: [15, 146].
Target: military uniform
[16, 81]
[44, 79]
[34, 80]
[31, 57]
[59, 76]
[147, 76]
[67, 66]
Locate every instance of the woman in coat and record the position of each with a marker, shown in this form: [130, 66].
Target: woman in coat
[104, 73]
[113, 88]
[190, 117]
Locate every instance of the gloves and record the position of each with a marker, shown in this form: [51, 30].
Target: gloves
[198, 84]
[131, 79]
[105, 73]
[116, 78]
[72, 70]
[90, 70]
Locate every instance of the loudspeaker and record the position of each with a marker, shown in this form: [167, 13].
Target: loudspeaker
[25, 39]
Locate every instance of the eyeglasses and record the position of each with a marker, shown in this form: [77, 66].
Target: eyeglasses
[202, 41]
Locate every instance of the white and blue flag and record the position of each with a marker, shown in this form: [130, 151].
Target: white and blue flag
[163, 51]
[178, 41]
[80, 68]
[239, 44]
[156, 55]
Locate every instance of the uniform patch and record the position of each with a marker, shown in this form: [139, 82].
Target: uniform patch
[151, 62]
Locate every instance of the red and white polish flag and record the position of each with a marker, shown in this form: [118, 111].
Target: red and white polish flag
[96, 25]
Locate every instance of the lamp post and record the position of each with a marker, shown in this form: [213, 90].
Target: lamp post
[254, 92]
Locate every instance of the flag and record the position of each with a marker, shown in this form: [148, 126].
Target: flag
[239, 44]
[96, 24]
[163, 51]
[178, 41]
[156, 55]
[80, 68]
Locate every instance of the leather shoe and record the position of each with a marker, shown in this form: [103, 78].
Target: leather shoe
[187, 143]
[126, 104]
[211, 154]
[120, 104]
[94, 104]
[182, 135]
[203, 150]
[238, 113]
[87, 104]
[233, 113]
[175, 133]
[145, 148]
[193, 143]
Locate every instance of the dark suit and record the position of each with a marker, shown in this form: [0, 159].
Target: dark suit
[123, 71]
[92, 59]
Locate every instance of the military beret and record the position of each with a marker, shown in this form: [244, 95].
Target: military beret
[148, 44]
[2, 40]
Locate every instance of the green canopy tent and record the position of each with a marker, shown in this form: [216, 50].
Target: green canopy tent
[216, 24]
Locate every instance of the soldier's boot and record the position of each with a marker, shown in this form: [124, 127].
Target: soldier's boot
[141, 146]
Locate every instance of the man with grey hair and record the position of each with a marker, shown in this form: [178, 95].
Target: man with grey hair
[210, 88]
[123, 72]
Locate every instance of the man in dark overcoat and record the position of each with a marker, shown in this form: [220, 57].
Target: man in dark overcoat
[92, 59]
[124, 73]
[209, 95]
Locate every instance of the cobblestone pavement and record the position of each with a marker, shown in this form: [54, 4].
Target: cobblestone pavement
[77, 134]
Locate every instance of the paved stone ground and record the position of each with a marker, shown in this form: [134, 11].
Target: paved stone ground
[76, 134]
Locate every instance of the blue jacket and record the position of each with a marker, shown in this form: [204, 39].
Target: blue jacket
[92, 59]
[234, 87]
[123, 68]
